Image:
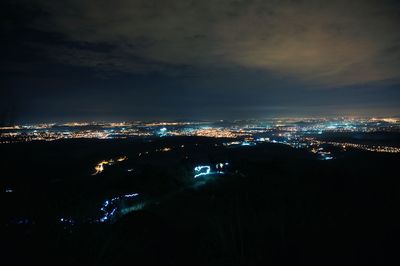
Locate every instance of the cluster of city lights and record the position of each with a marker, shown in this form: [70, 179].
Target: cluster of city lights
[297, 133]
[372, 148]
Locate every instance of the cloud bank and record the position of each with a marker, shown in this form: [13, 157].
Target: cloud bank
[324, 43]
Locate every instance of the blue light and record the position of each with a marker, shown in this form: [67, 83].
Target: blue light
[131, 195]
[202, 170]
[162, 132]
[67, 221]
[23, 221]
[113, 205]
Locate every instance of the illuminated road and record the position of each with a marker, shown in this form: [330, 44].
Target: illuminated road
[99, 168]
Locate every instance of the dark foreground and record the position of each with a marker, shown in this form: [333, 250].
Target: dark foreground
[275, 206]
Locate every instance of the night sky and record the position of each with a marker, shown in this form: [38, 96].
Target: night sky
[119, 60]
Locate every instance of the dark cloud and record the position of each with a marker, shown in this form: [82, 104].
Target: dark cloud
[329, 43]
[199, 59]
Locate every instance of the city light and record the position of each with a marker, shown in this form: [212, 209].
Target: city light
[238, 133]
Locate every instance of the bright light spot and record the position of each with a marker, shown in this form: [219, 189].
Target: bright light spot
[162, 132]
[100, 166]
[202, 170]
[131, 195]
[67, 221]
[121, 159]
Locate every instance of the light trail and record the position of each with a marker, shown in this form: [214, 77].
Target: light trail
[99, 168]
[112, 208]
[202, 170]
